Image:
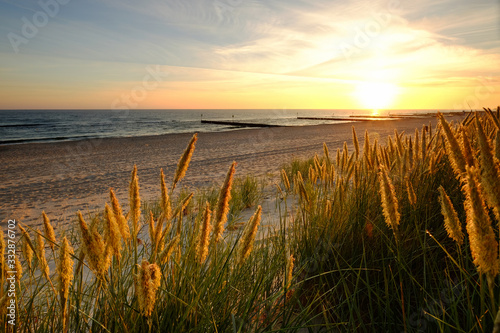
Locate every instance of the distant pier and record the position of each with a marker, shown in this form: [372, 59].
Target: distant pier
[335, 118]
[363, 117]
[237, 123]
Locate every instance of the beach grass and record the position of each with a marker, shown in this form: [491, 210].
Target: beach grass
[397, 235]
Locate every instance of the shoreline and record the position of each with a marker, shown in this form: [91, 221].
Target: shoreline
[63, 177]
[205, 125]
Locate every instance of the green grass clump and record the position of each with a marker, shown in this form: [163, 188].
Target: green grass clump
[246, 193]
[400, 270]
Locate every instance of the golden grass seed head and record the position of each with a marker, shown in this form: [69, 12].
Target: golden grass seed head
[399, 143]
[151, 227]
[289, 271]
[285, 180]
[490, 172]
[455, 152]
[328, 208]
[417, 145]
[154, 284]
[64, 269]
[140, 281]
[42, 261]
[302, 188]
[169, 249]
[135, 201]
[494, 119]
[317, 164]
[165, 203]
[203, 242]
[356, 177]
[404, 162]
[249, 236]
[366, 144]
[158, 244]
[120, 219]
[411, 158]
[19, 269]
[345, 151]
[331, 173]
[49, 231]
[424, 142]
[183, 163]
[389, 199]
[27, 247]
[185, 203]
[112, 234]
[103, 255]
[451, 222]
[391, 146]
[467, 148]
[326, 152]
[147, 282]
[84, 231]
[312, 174]
[497, 146]
[64, 272]
[483, 244]
[374, 153]
[323, 173]
[385, 156]
[412, 197]
[350, 167]
[3, 304]
[280, 191]
[94, 248]
[162, 234]
[355, 142]
[223, 205]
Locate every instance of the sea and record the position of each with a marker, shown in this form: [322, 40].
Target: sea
[30, 126]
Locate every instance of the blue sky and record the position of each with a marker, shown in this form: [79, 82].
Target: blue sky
[249, 54]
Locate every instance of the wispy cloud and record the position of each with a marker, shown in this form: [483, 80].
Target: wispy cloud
[254, 45]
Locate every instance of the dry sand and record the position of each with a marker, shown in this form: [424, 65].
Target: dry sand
[64, 177]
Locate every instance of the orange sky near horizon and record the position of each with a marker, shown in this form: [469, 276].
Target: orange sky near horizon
[327, 55]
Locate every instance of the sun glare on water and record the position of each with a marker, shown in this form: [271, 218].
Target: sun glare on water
[375, 95]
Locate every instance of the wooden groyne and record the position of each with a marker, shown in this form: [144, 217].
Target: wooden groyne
[237, 123]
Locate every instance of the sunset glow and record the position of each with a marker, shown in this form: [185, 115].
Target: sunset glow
[277, 54]
[375, 95]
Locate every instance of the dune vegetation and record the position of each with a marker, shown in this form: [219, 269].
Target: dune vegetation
[399, 235]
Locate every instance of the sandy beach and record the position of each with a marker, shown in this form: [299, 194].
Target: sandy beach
[64, 177]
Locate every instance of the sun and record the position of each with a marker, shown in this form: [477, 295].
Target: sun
[375, 95]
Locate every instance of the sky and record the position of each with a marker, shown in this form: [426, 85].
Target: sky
[246, 54]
